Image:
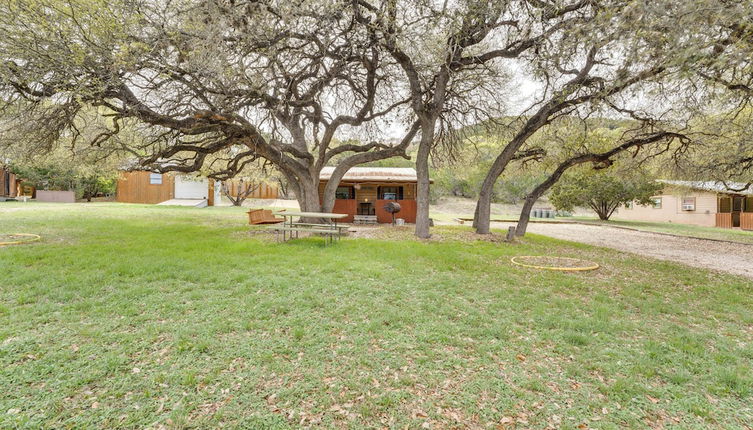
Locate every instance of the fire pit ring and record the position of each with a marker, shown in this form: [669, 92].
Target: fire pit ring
[8, 239]
[562, 264]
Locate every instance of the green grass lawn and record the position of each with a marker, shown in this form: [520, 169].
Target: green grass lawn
[729, 234]
[128, 316]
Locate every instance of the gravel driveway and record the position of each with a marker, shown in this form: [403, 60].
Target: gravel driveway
[723, 256]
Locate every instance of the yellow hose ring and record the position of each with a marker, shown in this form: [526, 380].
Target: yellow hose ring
[591, 265]
[34, 238]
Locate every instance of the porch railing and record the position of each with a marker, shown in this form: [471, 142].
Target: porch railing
[724, 220]
[746, 220]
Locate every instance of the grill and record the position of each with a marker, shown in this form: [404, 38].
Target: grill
[392, 208]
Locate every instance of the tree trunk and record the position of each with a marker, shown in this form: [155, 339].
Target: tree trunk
[601, 210]
[525, 215]
[533, 196]
[422, 187]
[482, 215]
[308, 197]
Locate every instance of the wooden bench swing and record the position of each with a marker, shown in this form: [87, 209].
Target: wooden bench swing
[262, 216]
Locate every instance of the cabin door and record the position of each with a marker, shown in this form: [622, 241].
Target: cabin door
[737, 208]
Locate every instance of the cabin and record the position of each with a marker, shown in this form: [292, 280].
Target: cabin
[145, 187]
[364, 191]
[702, 203]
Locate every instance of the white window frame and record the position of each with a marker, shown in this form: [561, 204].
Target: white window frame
[155, 179]
[688, 206]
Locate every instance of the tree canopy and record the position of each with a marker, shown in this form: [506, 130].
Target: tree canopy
[218, 85]
[602, 190]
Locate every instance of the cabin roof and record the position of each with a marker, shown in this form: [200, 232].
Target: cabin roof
[367, 174]
[713, 186]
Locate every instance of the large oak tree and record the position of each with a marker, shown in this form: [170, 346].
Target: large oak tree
[222, 80]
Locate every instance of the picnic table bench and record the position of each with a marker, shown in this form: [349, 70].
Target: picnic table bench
[289, 229]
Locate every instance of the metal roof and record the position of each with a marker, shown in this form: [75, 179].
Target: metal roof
[713, 186]
[366, 174]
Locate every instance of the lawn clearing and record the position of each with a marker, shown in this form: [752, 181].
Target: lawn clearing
[716, 233]
[127, 316]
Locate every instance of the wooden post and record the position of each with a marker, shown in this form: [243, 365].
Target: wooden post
[510, 234]
[210, 196]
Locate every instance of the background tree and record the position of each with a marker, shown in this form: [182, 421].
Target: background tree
[602, 190]
[447, 62]
[604, 57]
[724, 152]
[60, 171]
[600, 143]
[244, 184]
[585, 55]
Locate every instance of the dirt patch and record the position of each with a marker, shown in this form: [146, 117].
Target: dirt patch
[406, 232]
[727, 257]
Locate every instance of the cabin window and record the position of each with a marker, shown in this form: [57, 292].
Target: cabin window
[155, 178]
[391, 193]
[345, 193]
[688, 203]
[656, 202]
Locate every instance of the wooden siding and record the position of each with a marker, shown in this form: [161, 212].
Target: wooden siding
[265, 191]
[724, 220]
[746, 221]
[367, 193]
[343, 206]
[134, 187]
[409, 191]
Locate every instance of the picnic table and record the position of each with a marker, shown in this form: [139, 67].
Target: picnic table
[330, 230]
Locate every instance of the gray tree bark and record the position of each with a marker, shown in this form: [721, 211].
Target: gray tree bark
[422, 188]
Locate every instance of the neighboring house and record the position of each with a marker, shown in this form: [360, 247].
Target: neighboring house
[13, 187]
[167, 188]
[363, 192]
[8, 184]
[709, 204]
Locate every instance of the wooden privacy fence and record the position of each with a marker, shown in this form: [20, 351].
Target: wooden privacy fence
[263, 191]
